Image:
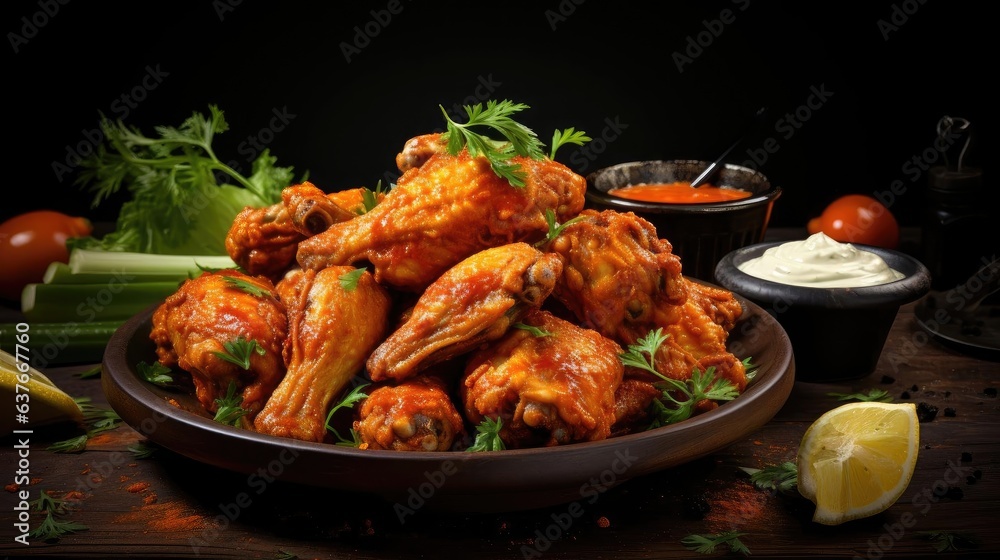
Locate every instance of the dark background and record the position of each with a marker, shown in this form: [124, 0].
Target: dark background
[584, 64]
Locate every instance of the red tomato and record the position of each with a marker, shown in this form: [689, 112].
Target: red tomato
[29, 242]
[858, 218]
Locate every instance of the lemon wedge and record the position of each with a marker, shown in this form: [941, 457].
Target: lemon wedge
[41, 400]
[857, 459]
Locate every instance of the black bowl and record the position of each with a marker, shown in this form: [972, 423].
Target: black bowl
[837, 333]
[701, 234]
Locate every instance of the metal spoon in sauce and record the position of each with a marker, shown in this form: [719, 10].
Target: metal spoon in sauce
[708, 174]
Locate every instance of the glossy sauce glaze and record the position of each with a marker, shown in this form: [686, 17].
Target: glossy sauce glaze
[821, 262]
[679, 192]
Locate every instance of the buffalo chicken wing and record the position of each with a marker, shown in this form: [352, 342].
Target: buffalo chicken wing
[445, 210]
[474, 302]
[193, 326]
[550, 387]
[334, 322]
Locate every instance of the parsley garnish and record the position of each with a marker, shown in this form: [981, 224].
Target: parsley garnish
[96, 419]
[143, 450]
[239, 351]
[52, 527]
[347, 401]
[370, 198]
[520, 140]
[702, 384]
[90, 373]
[155, 373]
[536, 331]
[705, 544]
[554, 228]
[349, 280]
[488, 436]
[750, 369]
[246, 286]
[946, 541]
[879, 395]
[567, 136]
[782, 478]
[228, 410]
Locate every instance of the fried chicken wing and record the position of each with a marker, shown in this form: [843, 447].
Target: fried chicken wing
[445, 210]
[193, 325]
[697, 340]
[549, 389]
[619, 278]
[263, 241]
[623, 281]
[332, 327]
[417, 414]
[473, 302]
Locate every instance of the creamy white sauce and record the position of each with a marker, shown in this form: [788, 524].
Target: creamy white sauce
[821, 262]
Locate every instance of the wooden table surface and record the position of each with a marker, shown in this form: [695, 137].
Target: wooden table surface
[169, 506]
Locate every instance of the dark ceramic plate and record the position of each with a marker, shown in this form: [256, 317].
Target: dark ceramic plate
[451, 481]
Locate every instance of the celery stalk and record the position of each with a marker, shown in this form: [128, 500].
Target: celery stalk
[116, 299]
[61, 343]
[61, 273]
[84, 261]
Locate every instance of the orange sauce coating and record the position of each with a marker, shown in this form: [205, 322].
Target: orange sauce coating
[679, 193]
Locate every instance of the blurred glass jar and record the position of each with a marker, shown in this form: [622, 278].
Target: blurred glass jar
[958, 233]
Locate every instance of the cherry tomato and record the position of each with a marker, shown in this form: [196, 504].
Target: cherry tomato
[858, 218]
[29, 242]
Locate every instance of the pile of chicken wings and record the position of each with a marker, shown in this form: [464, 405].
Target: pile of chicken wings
[451, 303]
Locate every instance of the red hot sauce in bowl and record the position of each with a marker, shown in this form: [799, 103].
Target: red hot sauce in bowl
[679, 192]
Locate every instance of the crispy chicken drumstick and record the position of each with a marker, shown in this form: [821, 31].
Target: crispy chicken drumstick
[444, 211]
[331, 330]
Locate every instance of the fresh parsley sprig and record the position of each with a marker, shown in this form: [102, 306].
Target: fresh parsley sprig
[247, 286]
[488, 436]
[535, 331]
[782, 478]
[52, 527]
[228, 408]
[700, 386]
[239, 351]
[567, 136]
[873, 395]
[349, 280]
[705, 544]
[353, 396]
[497, 115]
[155, 373]
[370, 198]
[947, 541]
[555, 228]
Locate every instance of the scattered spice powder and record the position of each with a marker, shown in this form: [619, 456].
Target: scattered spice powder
[137, 487]
[74, 496]
[149, 498]
[736, 505]
[166, 517]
